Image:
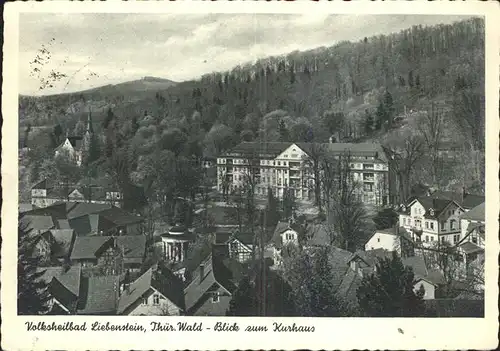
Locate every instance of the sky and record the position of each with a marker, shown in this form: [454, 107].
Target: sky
[109, 48]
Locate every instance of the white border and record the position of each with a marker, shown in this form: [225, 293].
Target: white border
[331, 333]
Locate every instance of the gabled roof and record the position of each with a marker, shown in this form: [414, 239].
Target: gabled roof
[475, 214]
[36, 222]
[281, 227]
[244, 237]
[338, 259]
[120, 217]
[469, 247]
[396, 231]
[89, 247]
[318, 235]
[40, 185]
[216, 274]
[436, 204]
[24, 207]
[84, 208]
[63, 241]
[75, 141]
[100, 296]
[69, 278]
[466, 201]
[163, 280]
[86, 247]
[371, 257]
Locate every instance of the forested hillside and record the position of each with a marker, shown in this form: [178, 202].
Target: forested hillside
[425, 79]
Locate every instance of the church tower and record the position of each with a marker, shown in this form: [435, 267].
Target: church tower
[89, 133]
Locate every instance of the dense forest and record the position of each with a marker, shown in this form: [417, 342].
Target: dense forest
[424, 80]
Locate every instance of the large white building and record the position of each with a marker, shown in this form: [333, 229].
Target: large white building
[285, 165]
[437, 217]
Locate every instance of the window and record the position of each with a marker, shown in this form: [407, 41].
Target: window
[442, 239]
[368, 166]
[279, 163]
[456, 238]
[474, 239]
[144, 301]
[426, 238]
[443, 225]
[432, 225]
[215, 298]
[432, 238]
[426, 225]
[452, 224]
[156, 300]
[378, 239]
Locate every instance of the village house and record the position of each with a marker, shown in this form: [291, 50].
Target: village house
[286, 235]
[392, 239]
[364, 263]
[240, 246]
[44, 194]
[210, 289]
[157, 292]
[63, 287]
[99, 295]
[282, 165]
[430, 220]
[107, 255]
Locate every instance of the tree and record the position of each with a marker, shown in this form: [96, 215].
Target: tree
[389, 292]
[345, 207]
[334, 122]
[368, 123]
[271, 213]
[405, 150]
[386, 218]
[32, 290]
[288, 203]
[312, 170]
[309, 274]
[262, 293]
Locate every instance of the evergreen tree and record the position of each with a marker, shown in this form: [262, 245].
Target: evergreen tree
[284, 135]
[272, 214]
[410, 79]
[32, 291]
[388, 108]
[380, 113]
[288, 202]
[243, 301]
[389, 291]
[369, 123]
[417, 81]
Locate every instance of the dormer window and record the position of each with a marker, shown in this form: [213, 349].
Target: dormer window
[431, 212]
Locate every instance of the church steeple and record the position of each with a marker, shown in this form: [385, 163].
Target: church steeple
[90, 129]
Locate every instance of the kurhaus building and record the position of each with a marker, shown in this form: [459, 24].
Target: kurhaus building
[285, 165]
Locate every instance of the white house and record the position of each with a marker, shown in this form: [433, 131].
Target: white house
[155, 293]
[429, 219]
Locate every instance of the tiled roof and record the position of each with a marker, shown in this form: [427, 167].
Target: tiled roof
[469, 247]
[76, 141]
[63, 241]
[318, 234]
[371, 257]
[216, 273]
[84, 208]
[120, 217]
[435, 276]
[476, 213]
[40, 185]
[134, 247]
[280, 228]
[101, 295]
[24, 207]
[35, 222]
[338, 259]
[69, 278]
[86, 247]
[244, 237]
[348, 287]
[466, 201]
[135, 291]
[437, 204]
[167, 283]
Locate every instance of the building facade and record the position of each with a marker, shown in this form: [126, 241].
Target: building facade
[285, 167]
[430, 220]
